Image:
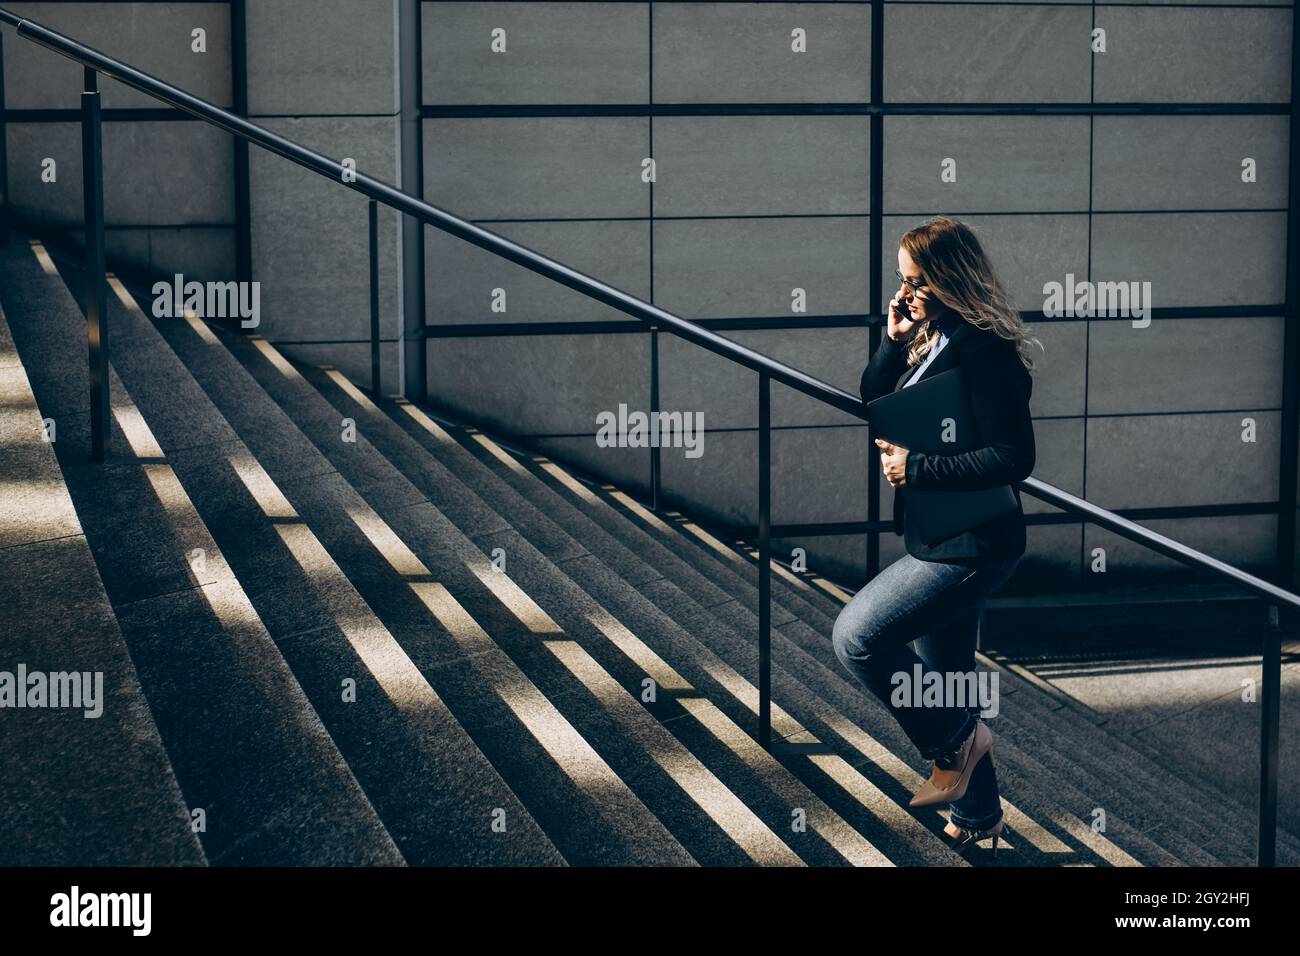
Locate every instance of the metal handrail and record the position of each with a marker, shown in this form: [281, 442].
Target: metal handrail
[768, 368]
[394, 198]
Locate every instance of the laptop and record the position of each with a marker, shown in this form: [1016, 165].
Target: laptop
[913, 417]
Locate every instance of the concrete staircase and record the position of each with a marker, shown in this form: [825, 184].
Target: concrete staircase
[370, 635]
[69, 773]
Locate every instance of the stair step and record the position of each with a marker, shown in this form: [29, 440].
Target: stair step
[89, 785]
[550, 766]
[647, 625]
[285, 520]
[527, 646]
[1210, 620]
[1210, 812]
[246, 747]
[1204, 594]
[1210, 817]
[510, 466]
[436, 439]
[559, 647]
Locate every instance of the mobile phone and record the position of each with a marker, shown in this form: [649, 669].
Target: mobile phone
[904, 309]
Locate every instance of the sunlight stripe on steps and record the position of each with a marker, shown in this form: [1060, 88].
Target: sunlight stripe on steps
[400, 679]
[834, 590]
[577, 488]
[122, 294]
[497, 452]
[34, 509]
[225, 598]
[1042, 839]
[138, 435]
[354, 393]
[727, 810]
[833, 828]
[1036, 834]
[31, 509]
[571, 752]
[503, 589]
[732, 554]
[394, 550]
[1090, 838]
[424, 421]
[698, 782]
[507, 591]
[36, 506]
[513, 597]
[262, 487]
[171, 495]
[805, 582]
[652, 519]
[273, 356]
[645, 514]
[438, 432]
[801, 582]
[719, 546]
[385, 540]
[43, 257]
[785, 726]
[835, 767]
[201, 328]
[550, 728]
[794, 579]
[831, 588]
[128, 300]
[9, 356]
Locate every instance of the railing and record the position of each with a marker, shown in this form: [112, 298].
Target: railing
[768, 369]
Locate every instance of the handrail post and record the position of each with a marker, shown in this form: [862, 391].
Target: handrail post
[765, 561]
[375, 381]
[655, 459]
[239, 104]
[1270, 694]
[4, 150]
[92, 173]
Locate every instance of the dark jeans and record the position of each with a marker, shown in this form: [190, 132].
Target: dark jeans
[937, 604]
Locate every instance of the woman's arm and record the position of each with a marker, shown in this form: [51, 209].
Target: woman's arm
[882, 371]
[1000, 387]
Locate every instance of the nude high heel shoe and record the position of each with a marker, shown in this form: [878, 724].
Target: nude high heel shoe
[943, 787]
[966, 839]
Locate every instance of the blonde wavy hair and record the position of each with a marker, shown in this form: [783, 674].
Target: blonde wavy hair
[959, 274]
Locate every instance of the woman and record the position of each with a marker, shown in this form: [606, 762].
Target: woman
[951, 310]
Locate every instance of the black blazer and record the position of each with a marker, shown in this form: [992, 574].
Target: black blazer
[1000, 387]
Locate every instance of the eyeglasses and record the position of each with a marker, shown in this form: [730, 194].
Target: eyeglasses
[914, 286]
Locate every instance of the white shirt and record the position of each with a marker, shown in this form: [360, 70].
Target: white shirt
[920, 369]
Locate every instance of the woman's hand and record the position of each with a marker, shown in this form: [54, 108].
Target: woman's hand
[901, 322]
[893, 458]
